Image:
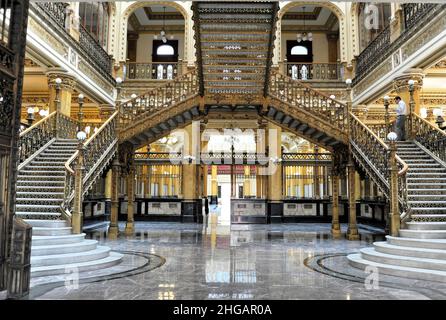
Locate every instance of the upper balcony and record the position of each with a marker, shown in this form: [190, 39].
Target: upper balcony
[55, 41]
[414, 40]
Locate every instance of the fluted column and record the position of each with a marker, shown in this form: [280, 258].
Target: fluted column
[275, 183]
[335, 225]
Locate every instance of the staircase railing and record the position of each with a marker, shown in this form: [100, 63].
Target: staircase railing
[159, 98]
[431, 137]
[296, 93]
[66, 127]
[98, 151]
[36, 136]
[373, 155]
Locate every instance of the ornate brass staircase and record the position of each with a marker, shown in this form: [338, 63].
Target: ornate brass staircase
[234, 44]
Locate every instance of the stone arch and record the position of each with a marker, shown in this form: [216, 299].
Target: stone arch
[333, 8]
[122, 50]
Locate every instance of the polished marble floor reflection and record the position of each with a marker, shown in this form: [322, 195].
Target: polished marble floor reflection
[213, 261]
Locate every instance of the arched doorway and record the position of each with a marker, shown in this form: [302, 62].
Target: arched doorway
[156, 41]
[310, 41]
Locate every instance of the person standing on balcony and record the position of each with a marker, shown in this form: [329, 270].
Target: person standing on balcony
[401, 115]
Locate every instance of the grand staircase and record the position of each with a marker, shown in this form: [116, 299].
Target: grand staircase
[44, 190]
[419, 252]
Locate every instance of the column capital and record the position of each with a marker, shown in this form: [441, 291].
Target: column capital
[68, 81]
[400, 83]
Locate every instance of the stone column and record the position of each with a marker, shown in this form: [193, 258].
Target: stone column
[246, 181]
[113, 229]
[130, 225]
[214, 184]
[395, 218]
[275, 201]
[67, 85]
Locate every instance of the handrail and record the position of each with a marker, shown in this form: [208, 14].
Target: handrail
[52, 114]
[98, 151]
[36, 136]
[430, 136]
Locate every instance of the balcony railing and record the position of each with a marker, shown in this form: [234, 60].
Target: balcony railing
[416, 16]
[94, 49]
[313, 71]
[87, 47]
[152, 70]
[56, 10]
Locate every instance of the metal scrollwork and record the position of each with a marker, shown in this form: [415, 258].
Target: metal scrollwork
[429, 136]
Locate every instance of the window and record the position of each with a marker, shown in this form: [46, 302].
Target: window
[94, 18]
[299, 51]
[165, 50]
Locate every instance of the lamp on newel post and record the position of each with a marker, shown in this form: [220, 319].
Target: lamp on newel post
[439, 120]
[30, 118]
[386, 114]
[411, 84]
[393, 173]
[118, 91]
[80, 114]
[76, 218]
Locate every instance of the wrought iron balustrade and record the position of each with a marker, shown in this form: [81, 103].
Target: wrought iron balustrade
[66, 126]
[160, 98]
[313, 71]
[152, 70]
[298, 94]
[87, 47]
[372, 55]
[430, 136]
[36, 136]
[94, 49]
[372, 153]
[381, 129]
[56, 10]
[413, 12]
[417, 15]
[97, 153]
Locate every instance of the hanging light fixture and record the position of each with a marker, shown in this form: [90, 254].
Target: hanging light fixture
[163, 31]
[304, 36]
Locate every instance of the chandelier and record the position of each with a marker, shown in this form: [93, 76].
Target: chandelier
[162, 34]
[304, 36]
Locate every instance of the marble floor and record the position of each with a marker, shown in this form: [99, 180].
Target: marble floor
[214, 261]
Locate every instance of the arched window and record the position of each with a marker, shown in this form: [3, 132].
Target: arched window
[160, 72]
[169, 72]
[299, 51]
[165, 50]
[94, 18]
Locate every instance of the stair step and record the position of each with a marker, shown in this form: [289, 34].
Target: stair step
[429, 196]
[39, 215]
[32, 194]
[412, 262]
[426, 174]
[113, 259]
[51, 231]
[425, 165]
[51, 240]
[45, 173]
[37, 208]
[68, 258]
[385, 247]
[358, 261]
[85, 245]
[418, 243]
[47, 223]
[40, 177]
[415, 204]
[42, 201]
[429, 169]
[423, 234]
[426, 225]
[428, 217]
[32, 167]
